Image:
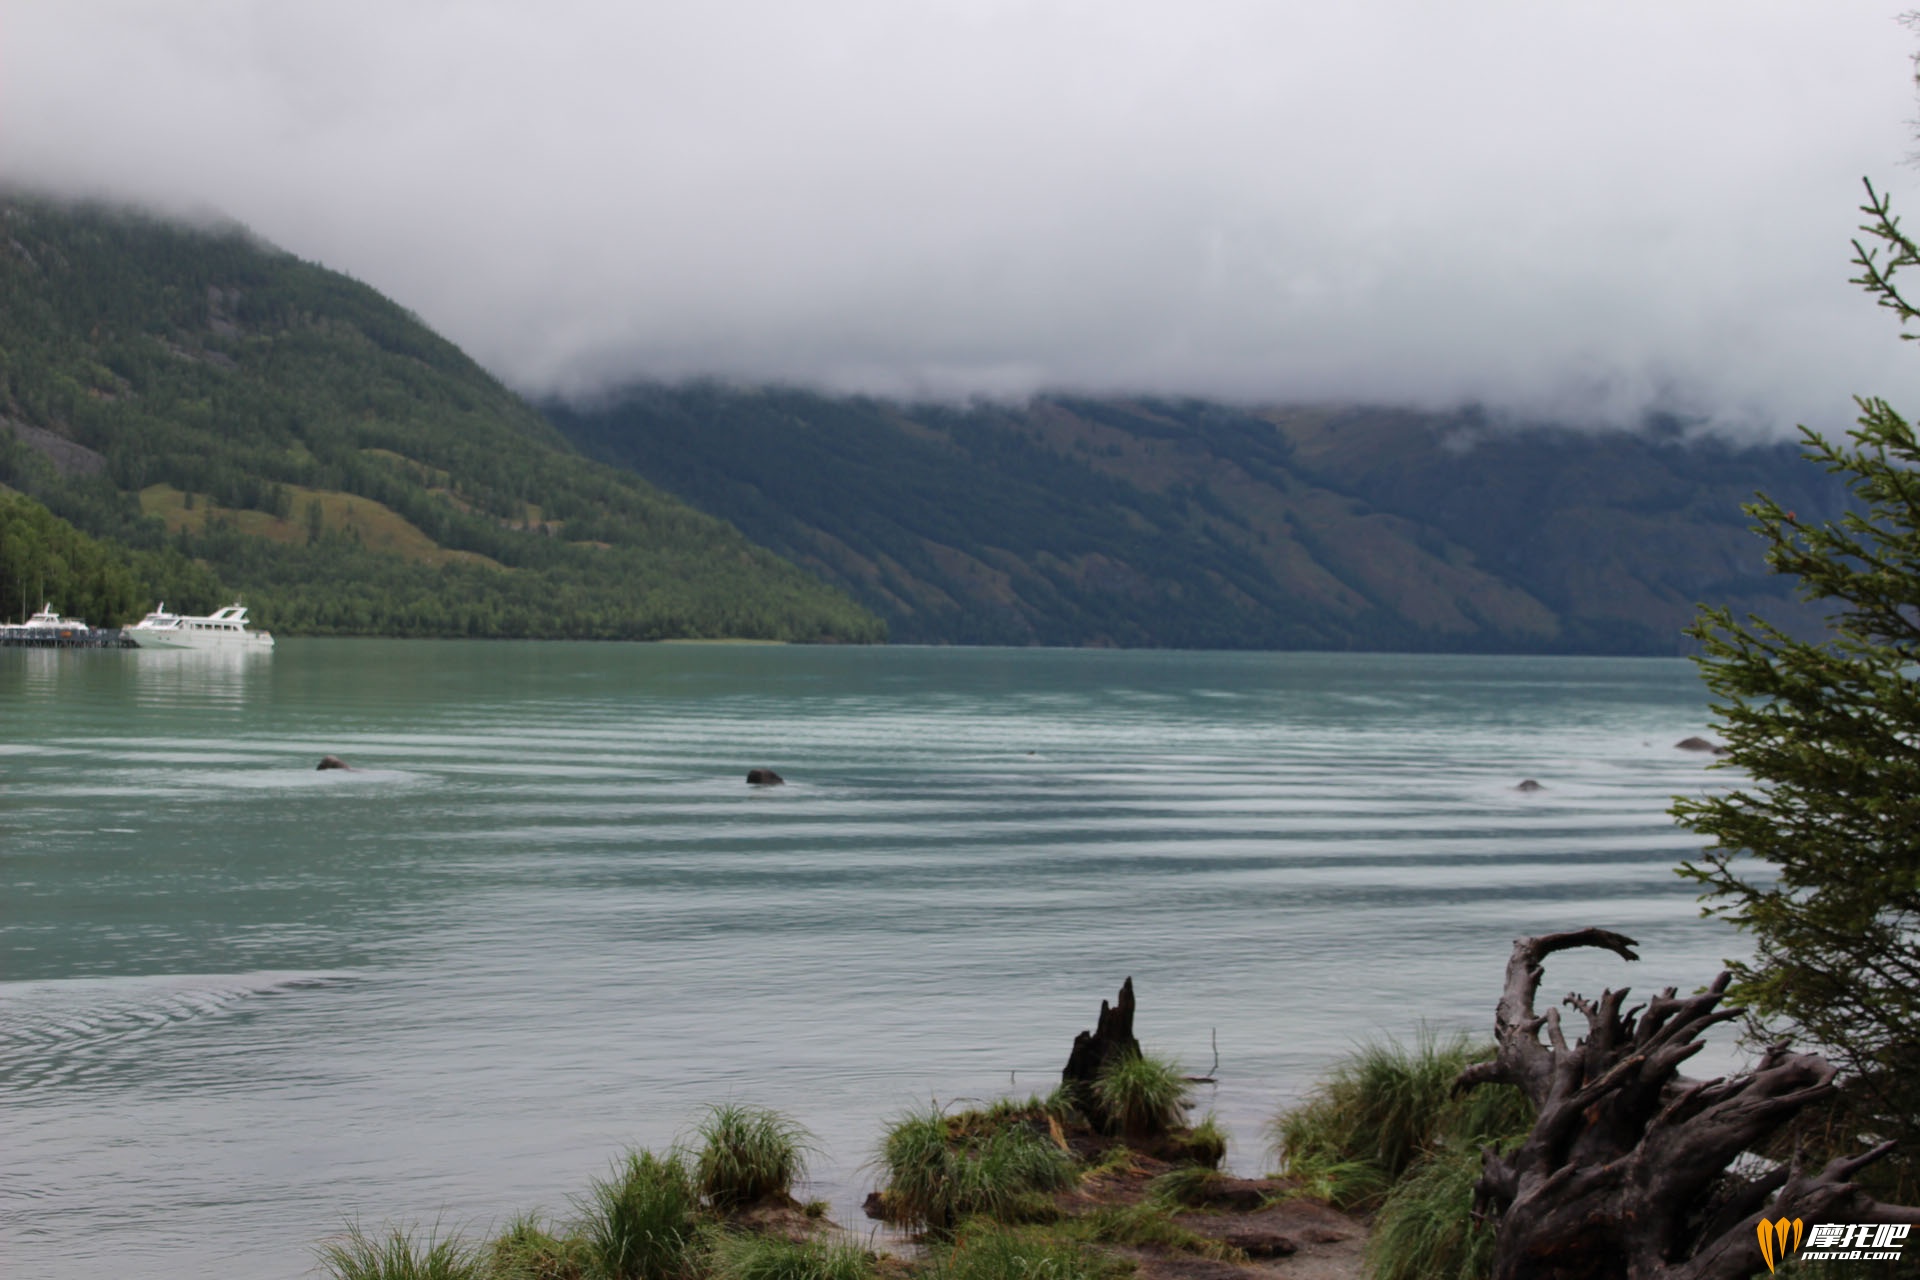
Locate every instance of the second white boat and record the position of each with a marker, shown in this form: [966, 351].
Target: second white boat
[223, 629]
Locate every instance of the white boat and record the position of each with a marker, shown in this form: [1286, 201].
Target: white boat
[222, 629]
[47, 628]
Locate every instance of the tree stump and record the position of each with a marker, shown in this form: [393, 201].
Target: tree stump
[1111, 1038]
[1629, 1172]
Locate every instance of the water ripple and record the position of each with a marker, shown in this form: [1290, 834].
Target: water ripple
[544, 917]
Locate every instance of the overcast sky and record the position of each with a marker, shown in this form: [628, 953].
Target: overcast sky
[1549, 206]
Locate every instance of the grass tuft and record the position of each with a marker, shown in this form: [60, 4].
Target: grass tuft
[1146, 1225]
[988, 1251]
[1010, 1168]
[639, 1224]
[1187, 1187]
[1425, 1229]
[923, 1171]
[1116, 1159]
[942, 1169]
[1145, 1095]
[1385, 1108]
[1062, 1106]
[733, 1255]
[1349, 1184]
[528, 1250]
[748, 1154]
[1207, 1144]
[398, 1256]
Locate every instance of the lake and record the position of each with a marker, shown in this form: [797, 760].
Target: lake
[544, 919]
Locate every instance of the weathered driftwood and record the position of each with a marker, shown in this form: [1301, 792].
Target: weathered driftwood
[1111, 1038]
[1626, 1173]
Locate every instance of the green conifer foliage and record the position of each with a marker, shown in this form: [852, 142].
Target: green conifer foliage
[1818, 857]
[154, 356]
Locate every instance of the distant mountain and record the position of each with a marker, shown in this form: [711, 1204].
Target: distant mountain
[1190, 524]
[235, 420]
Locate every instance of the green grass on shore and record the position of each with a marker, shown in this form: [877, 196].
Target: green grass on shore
[1383, 1135]
[747, 1155]
[1002, 1164]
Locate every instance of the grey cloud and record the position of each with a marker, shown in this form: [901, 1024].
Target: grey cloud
[1578, 209]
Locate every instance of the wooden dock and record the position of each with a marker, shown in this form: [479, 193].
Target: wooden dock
[64, 638]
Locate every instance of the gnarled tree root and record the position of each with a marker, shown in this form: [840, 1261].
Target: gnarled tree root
[1628, 1173]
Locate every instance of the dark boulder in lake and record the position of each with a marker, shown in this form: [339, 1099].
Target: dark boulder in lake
[1699, 744]
[332, 762]
[764, 778]
[1528, 784]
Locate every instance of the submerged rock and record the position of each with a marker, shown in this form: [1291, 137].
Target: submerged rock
[1528, 784]
[1699, 744]
[332, 762]
[764, 778]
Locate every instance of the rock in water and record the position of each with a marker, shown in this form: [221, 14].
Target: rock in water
[764, 778]
[332, 762]
[1698, 744]
[1528, 784]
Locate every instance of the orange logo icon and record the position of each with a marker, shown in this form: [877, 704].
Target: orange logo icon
[1773, 1239]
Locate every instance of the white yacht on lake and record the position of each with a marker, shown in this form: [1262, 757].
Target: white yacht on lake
[223, 629]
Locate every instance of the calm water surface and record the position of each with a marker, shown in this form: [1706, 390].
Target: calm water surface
[544, 919]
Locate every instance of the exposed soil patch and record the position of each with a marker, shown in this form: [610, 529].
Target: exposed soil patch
[1309, 1240]
[1283, 1236]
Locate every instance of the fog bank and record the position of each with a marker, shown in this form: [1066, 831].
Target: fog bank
[1580, 210]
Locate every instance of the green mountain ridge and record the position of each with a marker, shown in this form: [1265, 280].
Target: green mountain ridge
[235, 420]
[1185, 523]
[225, 419]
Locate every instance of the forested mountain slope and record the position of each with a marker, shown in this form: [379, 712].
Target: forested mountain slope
[321, 451]
[1185, 523]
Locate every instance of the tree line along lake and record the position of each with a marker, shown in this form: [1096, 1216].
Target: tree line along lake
[543, 918]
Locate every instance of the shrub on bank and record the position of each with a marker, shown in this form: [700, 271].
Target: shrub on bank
[733, 1255]
[1207, 1144]
[1383, 1109]
[1425, 1229]
[1145, 1095]
[1386, 1131]
[1149, 1226]
[990, 1251]
[640, 1224]
[1188, 1187]
[747, 1155]
[398, 1256]
[529, 1250]
[942, 1169]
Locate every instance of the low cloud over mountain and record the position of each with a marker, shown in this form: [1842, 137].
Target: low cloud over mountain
[1575, 210]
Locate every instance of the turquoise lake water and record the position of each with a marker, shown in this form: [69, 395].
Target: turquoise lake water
[544, 918]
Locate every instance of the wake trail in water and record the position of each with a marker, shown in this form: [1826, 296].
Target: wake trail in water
[60, 1031]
